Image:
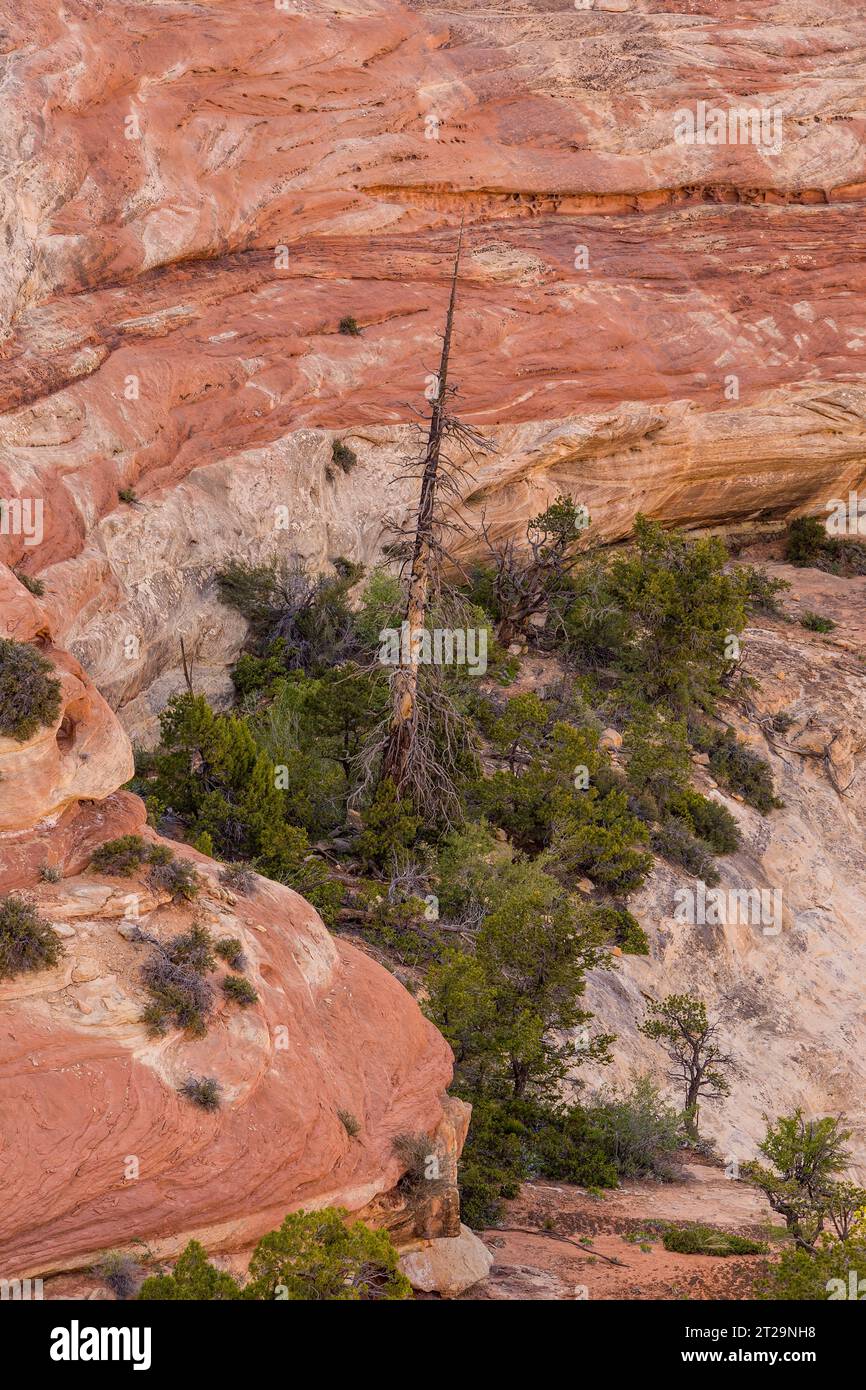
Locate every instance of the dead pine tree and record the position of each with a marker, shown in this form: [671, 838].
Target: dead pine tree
[417, 769]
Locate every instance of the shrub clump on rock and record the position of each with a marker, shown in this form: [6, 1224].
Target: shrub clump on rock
[29, 691]
[27, 941]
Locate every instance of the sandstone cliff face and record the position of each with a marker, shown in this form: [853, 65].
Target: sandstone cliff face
[193, 197]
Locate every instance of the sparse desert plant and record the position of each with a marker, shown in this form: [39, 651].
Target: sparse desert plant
[204, 1091]
[813, 622]
[342, 455]
[421, 1161]
[51, 873]
[238, 989]
[194, 948]
[231, 950]
[349, 326]
[177, 877]
[34, 585]
[29, 691]
[180, 994]
[127, 494]
[122, 857]
[121, 1272]
[349, 1123]
[238, 878]
[27, 941]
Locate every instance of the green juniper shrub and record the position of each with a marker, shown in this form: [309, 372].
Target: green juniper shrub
[390, 827]
[815, 1276]
[349, 327]
[30, 582]
[813, 622]
[706, 1240]
[763, 592]
[808, 544]
[239, 990]
[27, 941]
[204, 1091]
[709, 820]
[604, 841]
[382, 605]
[398, 925]
[656, 747]
[318, 1255]
[252, 674]
[193, 1279]
[231, 950]
[622, 929]
[121, 858]
[675, 842]
[740, 770]
[309, 613]
[804, 1159]
[30, 693]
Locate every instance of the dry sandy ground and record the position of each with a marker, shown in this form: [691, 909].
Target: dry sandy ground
[544, 1260]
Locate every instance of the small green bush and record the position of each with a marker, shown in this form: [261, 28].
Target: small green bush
[121, 1272]
[121, 858]
[177, 877]
[30, 693]
[709, 820]
[236, 988]
[807, 542]
[27, 941]
[231, 950]
[127, 494]
[238, 878]
[390, 827]
[676, 843]
[349, 326]
[742, 771]
[813, 622]
[705, 1240]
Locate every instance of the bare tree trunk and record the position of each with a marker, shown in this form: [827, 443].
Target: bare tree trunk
[397, 753]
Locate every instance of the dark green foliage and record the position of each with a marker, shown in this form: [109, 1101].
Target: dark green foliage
[762, 591]
[660, 615]
[121, 858]
[740, 770]
[194, 948]
[316, 1255]
[390, 827]
[807, 543]
[27, 941]
[625, 931]
[230, 949]
[349, 326]
[30, 582]
[706, 1240]
[203, 1091]
[399, 926]
[819, 1275]
[193, 1279]
[127, 494]
[638, 1129]
[675, 842]
[284, 604]
[251, 674]
[813, 622]
[239, 990]
[799, 1180]
[709, 820]
[343, 456]
[213, 774]
[29, 691]
[509, 1008]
